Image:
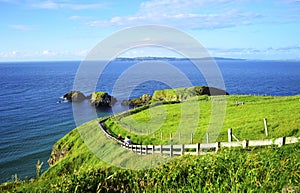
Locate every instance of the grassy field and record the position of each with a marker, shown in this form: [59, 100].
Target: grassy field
[195, 116]
[96, 164]
[268, 169]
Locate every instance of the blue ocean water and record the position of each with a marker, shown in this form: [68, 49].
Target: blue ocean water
[32, 120]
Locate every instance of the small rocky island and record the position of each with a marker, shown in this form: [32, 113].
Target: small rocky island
[97, 99]
[74, 96]
[103, 99]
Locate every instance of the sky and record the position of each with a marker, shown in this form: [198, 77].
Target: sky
[32, 30]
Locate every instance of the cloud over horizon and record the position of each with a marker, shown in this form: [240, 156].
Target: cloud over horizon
[235, 28]
[182, 14]
[20, 27]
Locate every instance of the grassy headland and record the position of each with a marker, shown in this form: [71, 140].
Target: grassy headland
[268, 169]
[246, 121]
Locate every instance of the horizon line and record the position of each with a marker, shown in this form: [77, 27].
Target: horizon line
[147, 57]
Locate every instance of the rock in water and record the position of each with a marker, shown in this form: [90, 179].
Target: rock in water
[74, 96]
[102, 99]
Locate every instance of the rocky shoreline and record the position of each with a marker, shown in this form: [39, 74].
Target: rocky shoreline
[173, 95]
[103, 99]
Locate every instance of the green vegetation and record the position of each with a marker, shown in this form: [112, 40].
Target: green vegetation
[259, 170]
[95, 163]
[98, 96]
[175, 95]
[146, 124]
[178, 94]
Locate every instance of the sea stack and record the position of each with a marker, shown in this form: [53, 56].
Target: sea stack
[74, 96]
[102, 99]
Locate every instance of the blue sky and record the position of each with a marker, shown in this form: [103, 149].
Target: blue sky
[67, 30]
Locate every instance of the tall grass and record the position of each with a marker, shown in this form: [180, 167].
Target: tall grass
[268, 169]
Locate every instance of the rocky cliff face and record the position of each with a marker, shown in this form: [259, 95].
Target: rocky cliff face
[210, 91]
[182, 94]
[137, 102]
[56, 155]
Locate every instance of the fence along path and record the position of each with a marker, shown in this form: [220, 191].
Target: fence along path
[199, 148]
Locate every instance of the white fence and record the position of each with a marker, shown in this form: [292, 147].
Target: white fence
[199, 148]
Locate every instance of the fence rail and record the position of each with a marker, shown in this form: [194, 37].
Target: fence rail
[199, 148]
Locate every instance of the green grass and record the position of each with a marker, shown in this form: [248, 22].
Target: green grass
[97, 96]
[246, 121]
[267, 169]
[178, 94]
[95, 163]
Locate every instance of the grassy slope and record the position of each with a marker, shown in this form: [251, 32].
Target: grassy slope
[254, 170]
[268, 169]
[282, 113]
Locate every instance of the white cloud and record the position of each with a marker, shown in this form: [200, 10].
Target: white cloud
[74, 17]
[192, 21]
[9, 54]
[186, 14]
[47, 54]
[20, 27]
[77, 17]
[57, 5]
[251, 53]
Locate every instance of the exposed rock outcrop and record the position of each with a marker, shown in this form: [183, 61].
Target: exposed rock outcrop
[56, 155]
[137, 102]
[210, 91]
[74, 96]
[102, 99]
[173, 95]
[182, 94]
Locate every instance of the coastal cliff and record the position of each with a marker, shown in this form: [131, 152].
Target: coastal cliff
[75, 167]
[174, 95]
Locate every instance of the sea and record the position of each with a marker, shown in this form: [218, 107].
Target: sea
[33, 114]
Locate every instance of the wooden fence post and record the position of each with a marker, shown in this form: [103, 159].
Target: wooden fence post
[266, 126]
[218, 145]
[161, 150]
[146, 152]
[281, 142]
[229, 135]
[171, 150]
[182, 149]
[153, 149]
[207, 137]
[245, 143]
[198, 149]
[141, 149]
